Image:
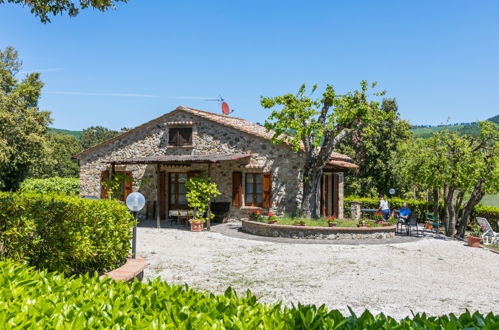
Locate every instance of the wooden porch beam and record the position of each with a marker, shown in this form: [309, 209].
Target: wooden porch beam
[158, 196]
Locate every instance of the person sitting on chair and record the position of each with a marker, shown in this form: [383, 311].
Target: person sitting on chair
[405, 213]
[383, 207]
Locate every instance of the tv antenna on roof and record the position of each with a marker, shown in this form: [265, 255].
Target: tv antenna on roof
[225, 106]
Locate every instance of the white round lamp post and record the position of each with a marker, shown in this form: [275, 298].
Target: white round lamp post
[392, 191]
[135, 202]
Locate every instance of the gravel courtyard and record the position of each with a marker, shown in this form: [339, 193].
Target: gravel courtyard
[430, 275]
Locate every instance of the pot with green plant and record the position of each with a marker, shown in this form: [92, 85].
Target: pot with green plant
[362, 222]
[299, 223]
[475, 236]
[392, 221]
[200, 192]
[378, 217]
[255, 215]
[271, 218]
[331, 221]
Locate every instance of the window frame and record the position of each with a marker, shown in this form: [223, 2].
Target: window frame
[254, 193]
[176, 142]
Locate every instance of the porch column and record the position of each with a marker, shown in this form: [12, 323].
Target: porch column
[208, 224]
[158, 196]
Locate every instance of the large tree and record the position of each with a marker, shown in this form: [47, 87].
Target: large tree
[44, 8]
[318, 126]
[57, 161]
[455, 166]
[95, 135]
[22, 124]
[374, 149]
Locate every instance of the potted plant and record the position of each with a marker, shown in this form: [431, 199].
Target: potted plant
[331, 221]
[362, 222]
[255, 215]
[391, 222]
[378, 217]
[428, 225]
[299, 223]
[272, 219]
[474, 237]
[197, 224]
[200, 192]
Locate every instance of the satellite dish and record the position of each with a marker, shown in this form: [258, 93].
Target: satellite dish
[225, 108]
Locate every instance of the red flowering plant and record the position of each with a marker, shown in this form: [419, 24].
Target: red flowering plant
[255, 215]
[379, 216]
[331, 219]
[477, 230]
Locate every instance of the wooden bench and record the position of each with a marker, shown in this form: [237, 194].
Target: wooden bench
[133, 268]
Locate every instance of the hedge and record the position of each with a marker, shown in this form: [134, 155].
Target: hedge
[66, 186]
[42, 300]
[422, 207]
[66, 234]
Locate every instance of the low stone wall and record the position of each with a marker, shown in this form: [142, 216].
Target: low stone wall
[331, 233]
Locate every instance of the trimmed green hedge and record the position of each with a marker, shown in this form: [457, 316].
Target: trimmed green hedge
[66, 234]
[66, 186]
[422, 207]
[41, 300]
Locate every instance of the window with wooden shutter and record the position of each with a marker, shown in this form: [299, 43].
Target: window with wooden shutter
[180, 136]
[237, 188]
[254, 189]
[267, 190]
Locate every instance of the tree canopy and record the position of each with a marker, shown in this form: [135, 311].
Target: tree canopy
[95, 135]
[22, 124]
[319, 125]
[374, 149]
[44, 8]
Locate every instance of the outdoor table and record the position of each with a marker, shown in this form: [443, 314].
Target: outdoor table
[181, 215]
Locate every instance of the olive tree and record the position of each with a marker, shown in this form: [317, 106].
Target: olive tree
[317, 126]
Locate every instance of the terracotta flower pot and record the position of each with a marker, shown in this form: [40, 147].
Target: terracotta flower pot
[331, 224]
[428, 226]
[474, 241]
[379, 222]
[197, 226]
[272, 222]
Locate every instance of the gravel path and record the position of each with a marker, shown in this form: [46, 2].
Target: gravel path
[430, 275]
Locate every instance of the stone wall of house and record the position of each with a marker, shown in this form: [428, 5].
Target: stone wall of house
[208, 137]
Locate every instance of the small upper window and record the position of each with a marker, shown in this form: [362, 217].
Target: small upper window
[180, 136]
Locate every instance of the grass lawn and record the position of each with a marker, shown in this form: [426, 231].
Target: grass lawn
[323, 222]
[494, 247]
[491, 200]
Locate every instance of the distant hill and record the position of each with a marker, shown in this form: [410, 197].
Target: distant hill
[472, 129]
[76, 134]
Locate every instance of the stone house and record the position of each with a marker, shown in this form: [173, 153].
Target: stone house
[251, 172]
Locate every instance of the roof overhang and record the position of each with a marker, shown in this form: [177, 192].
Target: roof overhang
[180, 159]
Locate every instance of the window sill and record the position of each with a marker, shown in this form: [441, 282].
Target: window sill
[180, 147]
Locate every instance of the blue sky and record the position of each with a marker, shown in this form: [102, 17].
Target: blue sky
[438, 58]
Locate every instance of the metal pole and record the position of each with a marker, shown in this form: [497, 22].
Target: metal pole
[134, 237]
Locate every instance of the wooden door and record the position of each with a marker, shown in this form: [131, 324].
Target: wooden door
[177, 191]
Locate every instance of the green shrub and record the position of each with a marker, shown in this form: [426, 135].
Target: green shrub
[62, 233]
[422, 207]
[41, 300]
[66, 186]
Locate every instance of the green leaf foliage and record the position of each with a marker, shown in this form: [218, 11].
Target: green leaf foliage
[37, 299]
[66, 234]
[65, 186]
[95, 135]
[200, 192]
[22, 124]
[44, 8]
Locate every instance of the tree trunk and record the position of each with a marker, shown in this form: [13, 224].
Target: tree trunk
[475, 198]
[450, 211]
[311, 182]
[436, 212]
[459, 202]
